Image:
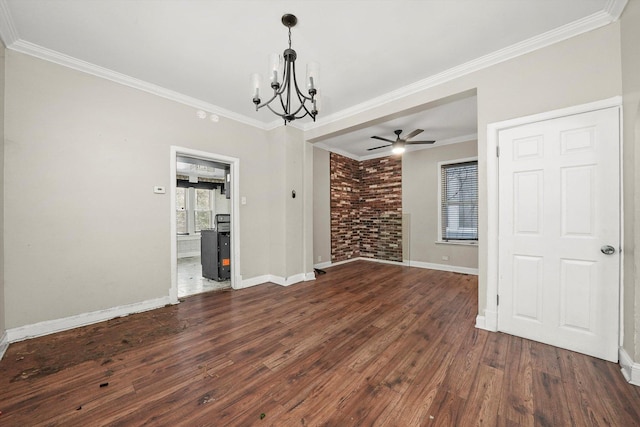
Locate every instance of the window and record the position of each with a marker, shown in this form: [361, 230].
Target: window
[181, 211]
[194, 209]
[459, 201]
[203, 209]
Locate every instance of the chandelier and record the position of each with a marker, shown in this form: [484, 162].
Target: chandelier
[283, 81]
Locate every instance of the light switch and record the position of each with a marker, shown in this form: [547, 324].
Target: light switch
[243, 200]
[159, 190]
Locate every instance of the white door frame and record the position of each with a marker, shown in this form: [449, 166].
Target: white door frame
[236, 278]
[488, 319]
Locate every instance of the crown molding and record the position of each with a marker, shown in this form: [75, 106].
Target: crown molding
[10, 38]
[89, 68]
[278, 122]
[454, 140]
[95, 70]
[380, 155]
[615, 8]
[609, 14]
[8, 32]
[337, 151]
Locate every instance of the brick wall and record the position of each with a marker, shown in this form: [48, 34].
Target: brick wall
[381, 208]
[345, 205]
[366, 208]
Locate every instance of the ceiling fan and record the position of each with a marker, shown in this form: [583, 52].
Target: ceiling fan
[399, 143]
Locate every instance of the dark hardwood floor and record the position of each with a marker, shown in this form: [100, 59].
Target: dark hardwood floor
[364, 344]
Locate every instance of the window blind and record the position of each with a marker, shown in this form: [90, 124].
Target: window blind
[459, 204]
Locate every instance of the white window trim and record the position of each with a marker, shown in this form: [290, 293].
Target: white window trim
[191, 201]
[457, 242]
[440, 241]
[212, 196]
[186, 210]
[190, 209]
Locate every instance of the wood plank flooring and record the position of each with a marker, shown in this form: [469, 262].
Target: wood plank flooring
[366, 344]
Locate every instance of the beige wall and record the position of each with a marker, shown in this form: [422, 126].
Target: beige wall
[83, 229]
[630, 35]
[2, 80]
[582, 69]
[274, 187]
[294, 206]
[321, 206]
[420, 206]
[287, 236]
[308, 213]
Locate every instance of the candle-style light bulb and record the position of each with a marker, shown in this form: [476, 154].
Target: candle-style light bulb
[255, 87]
[275, 61]
[313, 74]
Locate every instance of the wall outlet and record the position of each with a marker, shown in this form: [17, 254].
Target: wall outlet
[445, 257]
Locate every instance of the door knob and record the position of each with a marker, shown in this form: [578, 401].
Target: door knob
[608, 250]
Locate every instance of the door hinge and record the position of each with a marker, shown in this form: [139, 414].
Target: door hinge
[497, 151]
[497, 299]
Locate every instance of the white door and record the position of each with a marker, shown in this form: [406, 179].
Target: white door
[559, 209]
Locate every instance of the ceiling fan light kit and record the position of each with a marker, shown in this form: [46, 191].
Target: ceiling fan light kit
[398, 146]
[282, 77]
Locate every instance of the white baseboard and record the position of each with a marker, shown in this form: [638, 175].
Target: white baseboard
[334, 264]
[278, 280]
[487, 321]
[57, 325]
[444, 267]
[4, 344]
[418, 264]
[630, 369]
[322, 265]
[346, 261]
[384, 261]
[254, 281]
[490, 320]
[288, 281]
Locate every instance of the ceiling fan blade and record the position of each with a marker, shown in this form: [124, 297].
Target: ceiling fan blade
[375, 148]
[419, 142]
[382, 139]
[414, 133]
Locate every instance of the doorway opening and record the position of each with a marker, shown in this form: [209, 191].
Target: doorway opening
[204, 214]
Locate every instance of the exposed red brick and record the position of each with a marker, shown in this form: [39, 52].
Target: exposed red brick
[366, 208]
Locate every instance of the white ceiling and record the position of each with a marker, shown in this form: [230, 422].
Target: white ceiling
[448, 123]
[202, 52]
